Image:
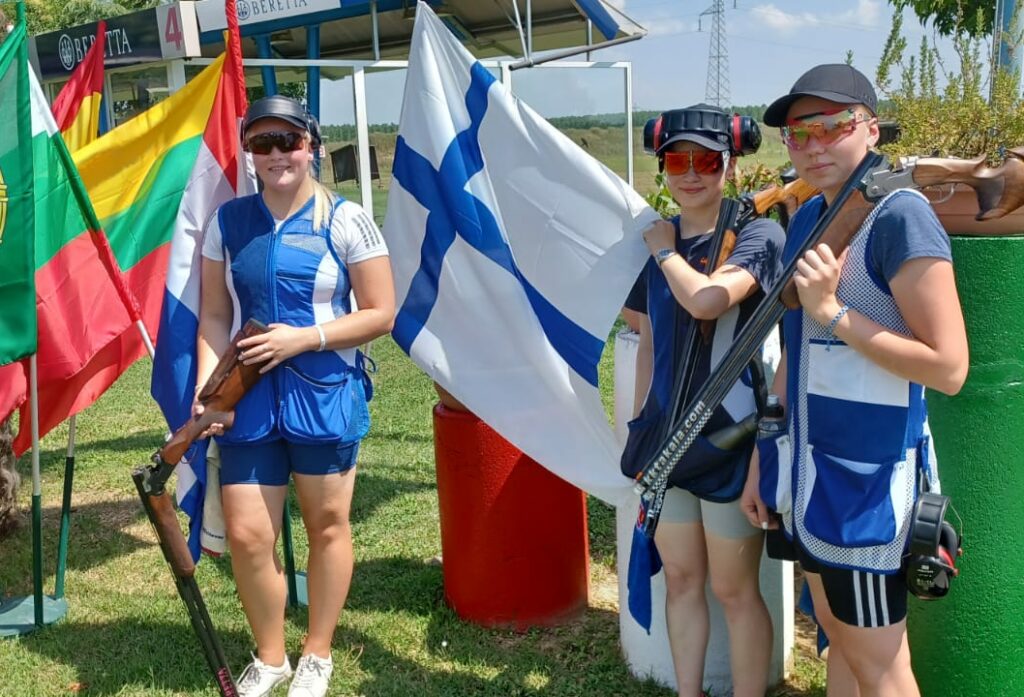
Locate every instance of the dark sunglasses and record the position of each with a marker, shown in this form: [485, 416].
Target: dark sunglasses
[285, 141]
[702, 161]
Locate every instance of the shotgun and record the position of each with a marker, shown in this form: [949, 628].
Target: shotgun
[230, 380]
[1000, 190]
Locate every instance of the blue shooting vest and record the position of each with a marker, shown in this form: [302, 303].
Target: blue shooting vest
[845, 475]
[293, 275]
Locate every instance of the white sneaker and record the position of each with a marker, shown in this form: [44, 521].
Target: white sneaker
[258, 679]
[311, 677]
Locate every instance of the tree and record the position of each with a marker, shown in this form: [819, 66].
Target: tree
[49, 15]
[974, 17]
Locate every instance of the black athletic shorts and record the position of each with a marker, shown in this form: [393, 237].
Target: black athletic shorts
[860, 598]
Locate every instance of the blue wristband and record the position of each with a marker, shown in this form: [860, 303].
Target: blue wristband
[832, 326]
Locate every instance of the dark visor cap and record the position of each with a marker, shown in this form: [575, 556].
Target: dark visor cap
[276, 107]
[836, 82]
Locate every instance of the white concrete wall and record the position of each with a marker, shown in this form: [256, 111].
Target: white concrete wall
[648, 654]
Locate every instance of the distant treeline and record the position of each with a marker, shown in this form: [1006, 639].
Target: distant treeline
[756, 112]
[639, 118]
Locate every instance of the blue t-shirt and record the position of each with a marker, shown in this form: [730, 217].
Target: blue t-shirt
[906, 228]
[758, 250]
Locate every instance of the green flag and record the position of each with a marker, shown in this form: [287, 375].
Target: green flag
[17, 261]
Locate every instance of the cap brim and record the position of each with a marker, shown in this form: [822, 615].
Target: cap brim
[298, 123]
[775, 114]
[709, 143]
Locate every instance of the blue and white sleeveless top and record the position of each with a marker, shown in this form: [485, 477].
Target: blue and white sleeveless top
[289, 272]
[844, 478]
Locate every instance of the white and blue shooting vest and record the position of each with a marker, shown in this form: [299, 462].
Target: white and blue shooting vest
[845, 475]
[294, 276]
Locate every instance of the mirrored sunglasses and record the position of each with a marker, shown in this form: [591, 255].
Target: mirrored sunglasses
[285, 141]
[702, 161]
[828, 127]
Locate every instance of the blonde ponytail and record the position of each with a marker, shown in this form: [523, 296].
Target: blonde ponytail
[323, 204]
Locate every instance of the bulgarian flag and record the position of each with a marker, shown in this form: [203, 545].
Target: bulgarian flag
[136, 176]
[77, 107]
[220, 172]
[17, 294]
[80, 302]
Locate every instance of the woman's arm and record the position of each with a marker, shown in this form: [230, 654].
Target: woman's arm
[925, 292]
[644, 364]
[703, 296]
[215, 317]
[375, 298]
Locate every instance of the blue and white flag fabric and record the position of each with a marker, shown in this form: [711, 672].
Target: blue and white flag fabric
[513, 251]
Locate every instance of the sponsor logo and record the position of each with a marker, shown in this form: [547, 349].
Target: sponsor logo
[3, 207]
[71, 51]
[243, 10]
[66, 52]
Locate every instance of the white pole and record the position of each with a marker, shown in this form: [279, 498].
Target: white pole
[362, 138]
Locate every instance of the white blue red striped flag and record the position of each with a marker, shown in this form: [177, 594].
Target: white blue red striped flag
[221, 172]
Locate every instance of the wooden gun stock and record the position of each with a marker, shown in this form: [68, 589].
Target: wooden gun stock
[792, 196]
[1000, 190]
[844, 227]
[228, 383]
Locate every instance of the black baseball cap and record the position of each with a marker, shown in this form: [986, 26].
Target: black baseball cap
[836, 82]
[704, 125]
[276, 107]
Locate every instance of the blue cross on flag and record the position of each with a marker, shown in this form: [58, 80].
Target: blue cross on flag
[513, 251]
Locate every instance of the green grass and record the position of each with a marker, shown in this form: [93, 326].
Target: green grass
[127, 634]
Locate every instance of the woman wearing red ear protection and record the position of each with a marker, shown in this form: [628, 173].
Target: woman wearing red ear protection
[290, 256]
[702, 532]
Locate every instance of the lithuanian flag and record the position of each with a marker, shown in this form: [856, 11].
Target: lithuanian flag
[135, 175]
[77, 107]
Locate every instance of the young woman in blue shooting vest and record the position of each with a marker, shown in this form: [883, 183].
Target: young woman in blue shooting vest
[702, 530]
[289, 257]
[876, 326]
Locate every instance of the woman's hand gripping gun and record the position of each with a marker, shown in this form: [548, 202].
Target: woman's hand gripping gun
[230, 380]
[1000, 190]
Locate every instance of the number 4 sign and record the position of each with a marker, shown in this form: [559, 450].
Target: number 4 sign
[179, 31]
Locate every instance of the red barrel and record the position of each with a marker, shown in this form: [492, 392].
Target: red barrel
[513, 535]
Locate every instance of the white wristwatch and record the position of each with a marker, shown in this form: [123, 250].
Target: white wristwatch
[662, 254]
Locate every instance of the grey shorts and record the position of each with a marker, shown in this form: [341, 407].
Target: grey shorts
[720, 519]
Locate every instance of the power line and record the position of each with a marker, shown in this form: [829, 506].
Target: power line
[716, 90]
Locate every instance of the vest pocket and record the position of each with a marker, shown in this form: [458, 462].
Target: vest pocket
[319, 411]
[254, 415]
[850, 502]
[775, 464]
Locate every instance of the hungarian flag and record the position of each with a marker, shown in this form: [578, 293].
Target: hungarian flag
[135, 176]
[17, 295]
[221, 172]
[77, 107]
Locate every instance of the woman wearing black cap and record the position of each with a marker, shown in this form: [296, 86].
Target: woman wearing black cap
[702, 531]
[290, 256]
[877, 326]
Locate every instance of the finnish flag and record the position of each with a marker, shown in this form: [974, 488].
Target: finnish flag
[513, 251]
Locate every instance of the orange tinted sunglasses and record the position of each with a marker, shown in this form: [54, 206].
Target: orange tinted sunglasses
[702, 161]
[828, 127]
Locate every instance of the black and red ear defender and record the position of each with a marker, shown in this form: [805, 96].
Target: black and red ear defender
[930, 565]
[741, 134]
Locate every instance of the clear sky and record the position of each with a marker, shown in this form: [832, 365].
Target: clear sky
[770, 44]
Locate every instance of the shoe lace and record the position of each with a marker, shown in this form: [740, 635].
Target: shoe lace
[308, 671]
[251, 674]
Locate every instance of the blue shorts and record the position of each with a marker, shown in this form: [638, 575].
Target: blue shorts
[272, 463]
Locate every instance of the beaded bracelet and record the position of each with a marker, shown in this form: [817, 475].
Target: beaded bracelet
[323, 337]
[832, 326]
